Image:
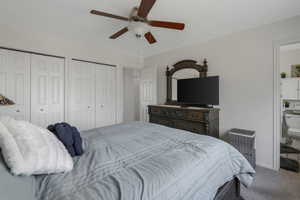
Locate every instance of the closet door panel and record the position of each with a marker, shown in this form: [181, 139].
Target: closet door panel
[56, 91]
[101, 93]
[111, 97]
[82, 95]
[105, 96]
[15, 83]
[4, 73]
[47, 90]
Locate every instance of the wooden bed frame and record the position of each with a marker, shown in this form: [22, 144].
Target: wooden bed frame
[230, 191]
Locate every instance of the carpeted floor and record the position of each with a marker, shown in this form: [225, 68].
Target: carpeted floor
[272, 185]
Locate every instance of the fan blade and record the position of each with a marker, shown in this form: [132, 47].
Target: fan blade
[96, 12]
[171, 25]
[145, 8]
[150, 38]
[119, 33]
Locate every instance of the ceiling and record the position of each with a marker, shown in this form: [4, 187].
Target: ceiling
[204, 19]
[290, 47]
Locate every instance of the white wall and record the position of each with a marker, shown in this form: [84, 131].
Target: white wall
[244, 62]
[288, 58]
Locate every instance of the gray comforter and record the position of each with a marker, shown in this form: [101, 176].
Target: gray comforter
[142, 161]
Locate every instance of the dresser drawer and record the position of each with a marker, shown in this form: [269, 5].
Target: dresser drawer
[179, 114]
[202, 121]
[196, 116]
[162, 121]
[192, 127]
[164, 112]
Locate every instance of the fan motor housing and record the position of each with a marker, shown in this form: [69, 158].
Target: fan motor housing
[134, 16]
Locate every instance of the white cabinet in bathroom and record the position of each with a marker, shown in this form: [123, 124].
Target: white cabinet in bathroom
[290, 88]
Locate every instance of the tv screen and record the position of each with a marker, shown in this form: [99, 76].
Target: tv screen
[200, 91]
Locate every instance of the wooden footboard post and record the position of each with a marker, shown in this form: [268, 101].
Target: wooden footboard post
[238, 189]
[230, 191]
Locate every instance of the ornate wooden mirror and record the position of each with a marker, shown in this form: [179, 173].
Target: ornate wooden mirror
[182, 70]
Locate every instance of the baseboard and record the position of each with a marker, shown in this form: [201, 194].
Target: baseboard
[266, 166]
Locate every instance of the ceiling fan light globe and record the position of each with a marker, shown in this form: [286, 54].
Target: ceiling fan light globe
[138, 28]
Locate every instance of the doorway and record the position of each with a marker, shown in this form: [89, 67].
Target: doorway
[288, 110]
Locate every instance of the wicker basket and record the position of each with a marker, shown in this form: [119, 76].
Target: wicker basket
[242, 138]
[244, 142]
[250, 155]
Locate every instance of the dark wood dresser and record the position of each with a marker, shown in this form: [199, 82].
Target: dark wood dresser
[198, 120]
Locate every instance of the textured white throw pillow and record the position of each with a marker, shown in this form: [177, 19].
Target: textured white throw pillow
[29, 149]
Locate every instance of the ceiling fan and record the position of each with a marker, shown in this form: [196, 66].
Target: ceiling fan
[139, 23]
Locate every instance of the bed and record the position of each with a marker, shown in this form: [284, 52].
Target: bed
[146, 161]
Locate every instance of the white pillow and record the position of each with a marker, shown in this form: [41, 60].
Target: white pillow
[31, 150]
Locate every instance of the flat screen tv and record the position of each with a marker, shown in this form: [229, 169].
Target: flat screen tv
[198, 91]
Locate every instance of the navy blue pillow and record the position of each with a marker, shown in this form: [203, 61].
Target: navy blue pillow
[77, 141]
[69, 136]
[64, 134]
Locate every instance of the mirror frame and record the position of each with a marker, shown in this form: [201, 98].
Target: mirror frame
[184, 64]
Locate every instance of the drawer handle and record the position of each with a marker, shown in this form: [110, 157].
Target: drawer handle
[17, 111]
[42, 110]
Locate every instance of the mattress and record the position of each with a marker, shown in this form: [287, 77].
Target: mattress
[135, 161]
[9, 184]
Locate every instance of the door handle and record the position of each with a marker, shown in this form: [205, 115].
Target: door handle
[17, 111]
[42, 110]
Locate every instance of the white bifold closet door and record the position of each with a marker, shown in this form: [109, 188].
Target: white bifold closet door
[15, 83]
[81, 107]
[47, 90]
[92, 95]
[105, 96]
